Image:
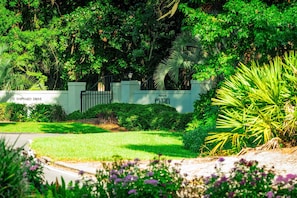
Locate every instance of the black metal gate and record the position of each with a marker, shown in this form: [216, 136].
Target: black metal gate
[103, 94]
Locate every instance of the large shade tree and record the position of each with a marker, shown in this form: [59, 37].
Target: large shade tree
[59, 41]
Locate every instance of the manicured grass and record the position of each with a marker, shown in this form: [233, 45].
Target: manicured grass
[43, 127]
[102, 147]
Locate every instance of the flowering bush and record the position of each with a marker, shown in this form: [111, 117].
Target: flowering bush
[284, 186]
[127, 179]
[246, 179]
[33, 172]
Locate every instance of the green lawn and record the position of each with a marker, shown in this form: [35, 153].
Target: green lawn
[44, 127]
[102, 147]
[86, 142]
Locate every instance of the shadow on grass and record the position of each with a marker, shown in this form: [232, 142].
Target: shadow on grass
[6, 123]
[166, 134]
[169, 150]
[73, 128]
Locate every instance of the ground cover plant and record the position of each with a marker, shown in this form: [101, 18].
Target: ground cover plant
[103, 146]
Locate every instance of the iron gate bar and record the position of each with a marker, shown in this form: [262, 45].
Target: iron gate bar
[90, 99]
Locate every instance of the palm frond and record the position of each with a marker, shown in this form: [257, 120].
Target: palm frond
[184, 53]
[159, 77]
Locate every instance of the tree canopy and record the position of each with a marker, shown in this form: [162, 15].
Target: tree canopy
[52, 43]
[49, 43]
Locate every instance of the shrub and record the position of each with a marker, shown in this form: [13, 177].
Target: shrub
[20, 175]
[194, 140]
[246, 179]
[127, 179]
[12, 182]
[76, 115]
[16, 112]
[33, 172]
[204, 112]
[257, 104]
[2, 112]
[47, 113]
[284, 186]
[140, 117]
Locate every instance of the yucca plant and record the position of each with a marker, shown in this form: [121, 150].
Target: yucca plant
[257, 103]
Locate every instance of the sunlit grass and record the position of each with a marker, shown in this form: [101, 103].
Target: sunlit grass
[103, 146]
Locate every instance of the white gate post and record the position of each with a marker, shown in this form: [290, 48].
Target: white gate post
[127, 90]
[74, 90]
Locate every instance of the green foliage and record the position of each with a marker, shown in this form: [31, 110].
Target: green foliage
[12, 181]
[205, 114]
[2, 112]
[71, 190]
[184, 54]
[257, 104]
[52, 43]
[127, 179]
[33, 172]
[246, 179]
[16, 112]
[46, 113]
[140, 117]
[76, 115]
[285, 186]
[194, 140]
[240, 31]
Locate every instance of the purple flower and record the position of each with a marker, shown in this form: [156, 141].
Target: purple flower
[34, 168]
[231, 194]
[242, 182]
[81, 172]
[151, 182]
[221, 159]
[279, 179]
[113, 177]
[214, 176]
[118, 180]
[132, 191]
[224, 179]
[270, 194]
[113, 172]
[291, 176]
[130, 178]
[150, 174]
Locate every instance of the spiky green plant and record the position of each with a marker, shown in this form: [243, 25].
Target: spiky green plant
[258, 103]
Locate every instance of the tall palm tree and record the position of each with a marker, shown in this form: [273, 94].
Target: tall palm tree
[186, 51]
